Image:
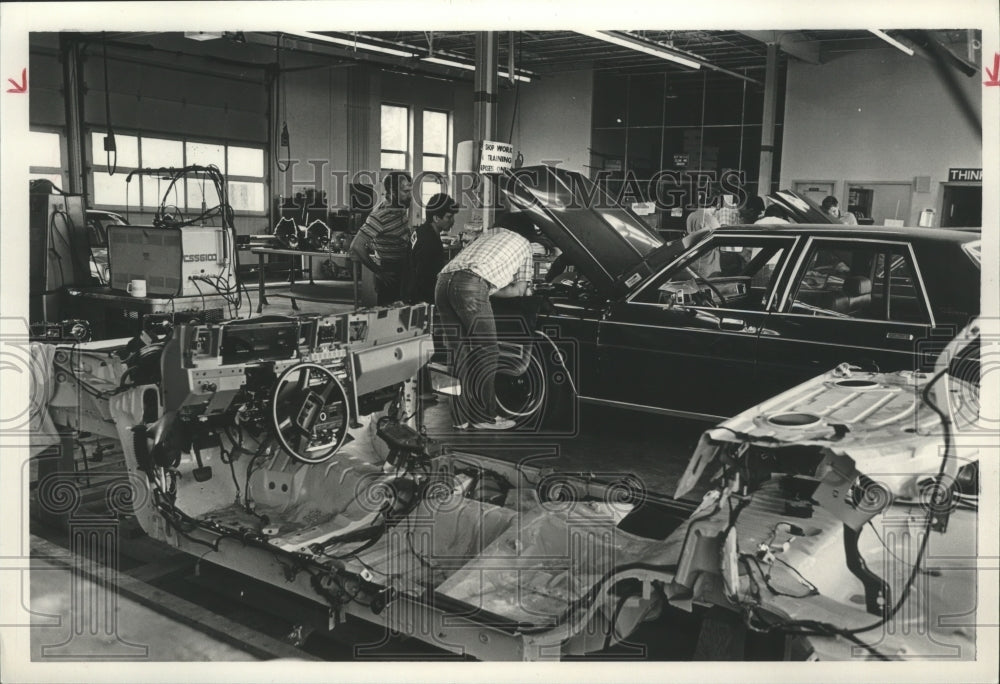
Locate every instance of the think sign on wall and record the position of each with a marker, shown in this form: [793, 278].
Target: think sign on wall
[965, 175]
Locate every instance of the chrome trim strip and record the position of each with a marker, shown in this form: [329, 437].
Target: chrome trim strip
[653, 409]
[797, 340]
[857, 320]
[751, 329]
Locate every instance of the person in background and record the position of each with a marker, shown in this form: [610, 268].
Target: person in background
[753, 210]
[497, 264]
[704, 216]
[427, 254]
[727, 214]
[382, 244]
[831, 207]
[773, 215]
[427, 258]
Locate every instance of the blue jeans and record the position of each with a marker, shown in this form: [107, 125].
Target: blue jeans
[470, 334]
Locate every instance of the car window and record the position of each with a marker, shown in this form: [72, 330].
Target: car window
[739, 270]
[852, 280]
[905, 303]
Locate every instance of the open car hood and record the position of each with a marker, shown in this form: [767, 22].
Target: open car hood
[800, 209]
[611, 246]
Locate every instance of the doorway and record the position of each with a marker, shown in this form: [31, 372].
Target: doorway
[880, 201]
[817, 191]
[962, 206]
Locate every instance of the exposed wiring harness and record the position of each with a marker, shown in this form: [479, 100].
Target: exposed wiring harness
[819, 628]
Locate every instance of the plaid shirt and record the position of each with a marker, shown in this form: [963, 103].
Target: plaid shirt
[727, 216]
[498, 256]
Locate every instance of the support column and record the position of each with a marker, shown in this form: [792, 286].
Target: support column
[484, 107]
[767, 127]
[69, 49]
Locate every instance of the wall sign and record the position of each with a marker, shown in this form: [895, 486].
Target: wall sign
[681, 161]
[496, 157]
[965, 175]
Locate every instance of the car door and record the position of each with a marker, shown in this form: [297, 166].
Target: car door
[860, 301]
[685, 342]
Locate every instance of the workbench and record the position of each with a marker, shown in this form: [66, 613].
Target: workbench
[115, 313]
[315, 292]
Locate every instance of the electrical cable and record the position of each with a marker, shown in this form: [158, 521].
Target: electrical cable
[279, 137]
[194, 281]
[517, 92]
[816, 628]
[109, 140]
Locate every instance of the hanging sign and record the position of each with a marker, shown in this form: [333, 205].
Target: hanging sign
[496, 157]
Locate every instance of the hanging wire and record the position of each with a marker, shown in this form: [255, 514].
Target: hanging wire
[109, 140]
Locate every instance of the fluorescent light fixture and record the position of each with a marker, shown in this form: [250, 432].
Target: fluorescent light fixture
[517, 77]
[351, 43]
[472, 67]
[202, 35]
[449, 62]
[892, 41]
[648, 47]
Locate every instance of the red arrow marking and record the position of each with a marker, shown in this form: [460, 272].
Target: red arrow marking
[21, 87]
[995, 73]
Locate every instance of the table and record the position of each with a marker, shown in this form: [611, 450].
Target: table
[341, 259]
[95, 303]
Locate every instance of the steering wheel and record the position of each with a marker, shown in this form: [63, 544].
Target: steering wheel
[309, 412]
[701, 279]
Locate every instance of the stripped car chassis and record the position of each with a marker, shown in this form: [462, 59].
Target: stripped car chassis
[498, 560]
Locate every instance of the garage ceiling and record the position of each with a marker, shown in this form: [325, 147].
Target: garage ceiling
[739, 53]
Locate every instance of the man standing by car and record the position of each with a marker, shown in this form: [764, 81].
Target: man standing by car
[382, 244]
[497, 264]
[427, 253]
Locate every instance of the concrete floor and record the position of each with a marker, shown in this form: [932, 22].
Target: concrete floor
[102, 625]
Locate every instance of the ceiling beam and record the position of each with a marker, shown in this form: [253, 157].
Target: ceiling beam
[792, 43]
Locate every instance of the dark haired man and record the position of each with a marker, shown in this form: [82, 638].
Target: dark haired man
[831, 207]
[427, 253]
[382, 244]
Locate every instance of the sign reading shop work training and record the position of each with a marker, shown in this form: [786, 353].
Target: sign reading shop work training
[496, 157]
[965, 175]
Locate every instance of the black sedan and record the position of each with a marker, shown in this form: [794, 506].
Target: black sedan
[716, 322]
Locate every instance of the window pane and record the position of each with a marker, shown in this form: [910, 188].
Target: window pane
[905, 301]
[740, 270]
[54, 178]
[395, 131]
[110, 190]
[428, 188]
[205, 154]
[45, 150]
[157, 152]
[197, 190]
[837, 282]
[393, 160]
[153, 189]
[246, 196]
[245, 161]
[436, 132]
[435, 164]
[126, 145]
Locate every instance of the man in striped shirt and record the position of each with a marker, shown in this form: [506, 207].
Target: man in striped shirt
[496, 264]
[383, 242]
